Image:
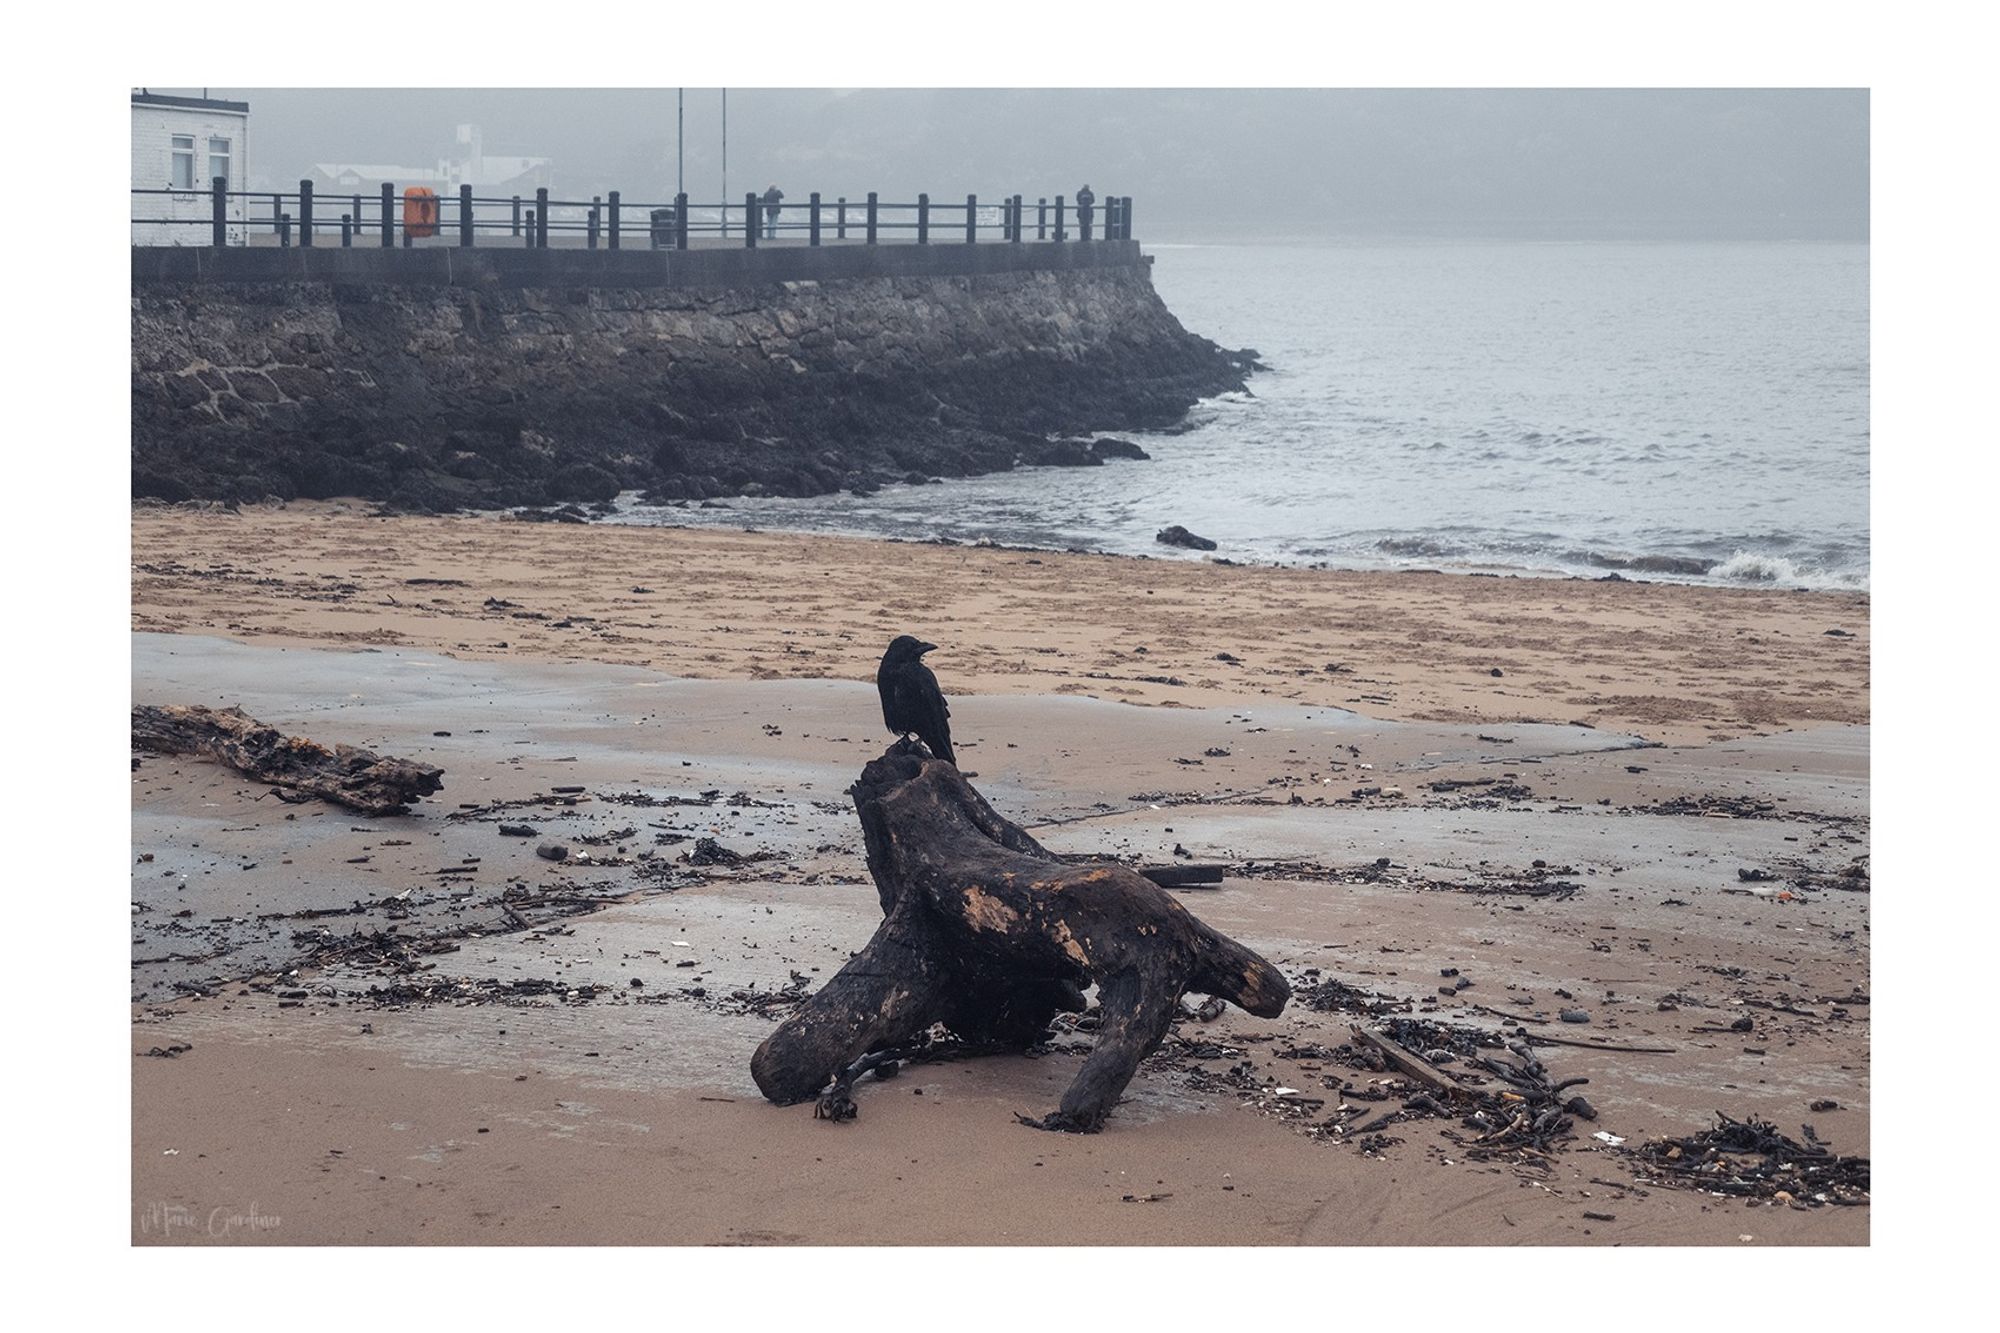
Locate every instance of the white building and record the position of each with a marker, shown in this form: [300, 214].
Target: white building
[179, 145]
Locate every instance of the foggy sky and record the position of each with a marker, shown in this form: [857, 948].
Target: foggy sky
[1200, 164]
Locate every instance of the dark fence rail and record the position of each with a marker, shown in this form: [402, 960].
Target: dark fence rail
[312, 217]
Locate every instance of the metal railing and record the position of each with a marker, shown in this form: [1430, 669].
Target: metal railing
[310, 217]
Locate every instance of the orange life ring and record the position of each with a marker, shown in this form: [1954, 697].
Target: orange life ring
[420, 211]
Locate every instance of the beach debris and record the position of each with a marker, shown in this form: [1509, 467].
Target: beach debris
[989, 934]
[1176, 535]
[517, 830]
[552, 851]
[297, 769]
[709, 852]
[1751, 1159]
[1171, 877]
[1408, 1063]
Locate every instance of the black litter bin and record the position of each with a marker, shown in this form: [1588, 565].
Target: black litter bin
[664, 227]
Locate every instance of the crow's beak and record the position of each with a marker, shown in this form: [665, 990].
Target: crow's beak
[923, 648]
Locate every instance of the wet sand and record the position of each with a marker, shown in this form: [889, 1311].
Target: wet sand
[599, 1111]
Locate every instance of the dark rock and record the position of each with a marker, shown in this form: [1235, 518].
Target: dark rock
[582, 482]
[1180, 536]
[1119, 449]
[1064, 453]
[552, 851]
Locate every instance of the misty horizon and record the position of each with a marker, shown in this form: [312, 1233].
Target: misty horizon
[1200, 164]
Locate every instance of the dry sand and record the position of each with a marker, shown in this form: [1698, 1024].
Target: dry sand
[308, 1112]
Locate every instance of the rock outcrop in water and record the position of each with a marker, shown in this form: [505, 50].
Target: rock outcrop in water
[440, 397]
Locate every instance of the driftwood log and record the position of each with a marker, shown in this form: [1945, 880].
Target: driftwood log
[358, 779]
[989, 934]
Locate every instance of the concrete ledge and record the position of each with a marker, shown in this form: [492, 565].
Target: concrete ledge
[490, 268]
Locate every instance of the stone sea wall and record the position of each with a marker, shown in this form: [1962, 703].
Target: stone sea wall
[492, 381]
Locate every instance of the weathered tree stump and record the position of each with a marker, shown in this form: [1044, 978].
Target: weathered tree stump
[359, 779]
[987, 933]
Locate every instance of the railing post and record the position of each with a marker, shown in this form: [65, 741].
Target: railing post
[840, 219]
[1125, 219]
[681, 221]
[871, 217]
[306, 212]
[541, 217]
[465, 216]
[388, 215]
[972, 219]
[530, 236]
[923, 219]
[357, 215]
[285, 230]
[813, 236]
[1041, 219]
[612, 201]
[595, 203]
[1059, 219]
[1016, 237]
[750, 221]
[517, 216]
[219, 211]
[346, 230]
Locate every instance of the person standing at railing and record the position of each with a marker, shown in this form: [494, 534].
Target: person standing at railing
[1084, 200]
[772, 197]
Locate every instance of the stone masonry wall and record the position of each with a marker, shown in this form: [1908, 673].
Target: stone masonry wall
[440, 396]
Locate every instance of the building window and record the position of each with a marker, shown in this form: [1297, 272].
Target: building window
[183, 177]
[218, 159]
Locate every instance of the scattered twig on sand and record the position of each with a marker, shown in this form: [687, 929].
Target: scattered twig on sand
[1543, 1039]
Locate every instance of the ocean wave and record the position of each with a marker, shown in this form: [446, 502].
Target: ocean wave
[1776, 570]
[1644, 564]
[1418, 546]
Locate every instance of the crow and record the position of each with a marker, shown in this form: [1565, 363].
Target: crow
[911, 699]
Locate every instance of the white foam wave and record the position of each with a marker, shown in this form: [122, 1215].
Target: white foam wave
[1752, 567]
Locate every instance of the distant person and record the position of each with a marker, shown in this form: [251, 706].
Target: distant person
[1084, 200]
[772, 198]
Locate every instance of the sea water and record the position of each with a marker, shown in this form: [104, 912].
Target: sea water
[1670, 411]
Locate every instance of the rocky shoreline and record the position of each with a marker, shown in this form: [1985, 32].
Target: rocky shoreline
[445, 398]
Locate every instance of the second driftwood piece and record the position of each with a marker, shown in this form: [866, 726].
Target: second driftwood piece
[358, 779]
[989, 934]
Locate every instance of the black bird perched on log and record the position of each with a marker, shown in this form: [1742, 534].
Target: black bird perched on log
[911, 699]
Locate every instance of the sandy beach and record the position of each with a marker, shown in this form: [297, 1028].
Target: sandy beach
[1644, 803]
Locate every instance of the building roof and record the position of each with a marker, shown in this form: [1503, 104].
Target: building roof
[375, 171]
[144, 98]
